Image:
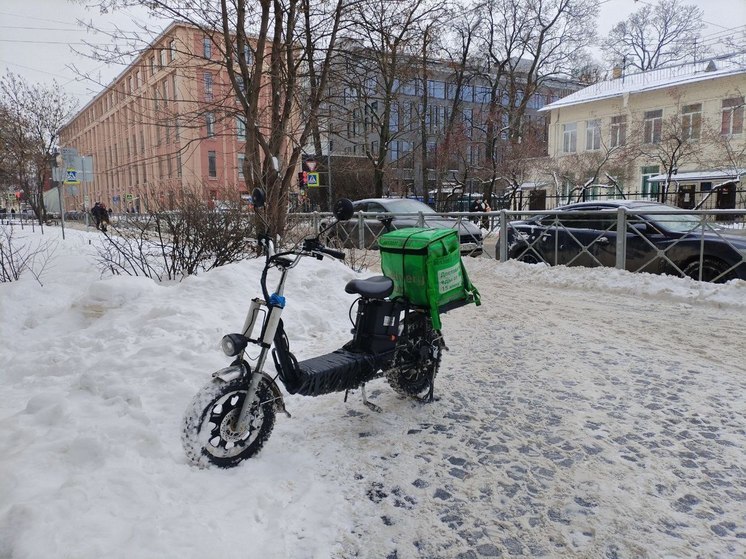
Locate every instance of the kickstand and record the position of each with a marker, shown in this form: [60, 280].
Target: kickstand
[369, 404]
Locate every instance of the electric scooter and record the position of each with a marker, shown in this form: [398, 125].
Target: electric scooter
[231, 418]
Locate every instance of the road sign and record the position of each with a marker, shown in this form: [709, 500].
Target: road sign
[68, 154]
[72, 176]
[58, 174]
[128, 197]
[312, 179]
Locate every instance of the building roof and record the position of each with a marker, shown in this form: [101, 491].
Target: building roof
[698, 176]
[655, 79]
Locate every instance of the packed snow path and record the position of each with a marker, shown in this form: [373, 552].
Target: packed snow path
[582, 413]
[570, 424]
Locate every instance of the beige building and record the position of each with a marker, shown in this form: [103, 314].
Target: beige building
[166, 124]
[678, 130]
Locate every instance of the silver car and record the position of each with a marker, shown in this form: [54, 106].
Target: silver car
[379, 215]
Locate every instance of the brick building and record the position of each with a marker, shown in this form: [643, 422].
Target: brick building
[167, 124]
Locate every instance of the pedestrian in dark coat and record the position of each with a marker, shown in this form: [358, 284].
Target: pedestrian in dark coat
[100, 216]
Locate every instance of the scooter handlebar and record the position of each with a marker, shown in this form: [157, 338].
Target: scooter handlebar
[313, 246]
[338, 254]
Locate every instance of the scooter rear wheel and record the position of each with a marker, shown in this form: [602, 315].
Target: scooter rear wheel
[210, 435]
[416, 360]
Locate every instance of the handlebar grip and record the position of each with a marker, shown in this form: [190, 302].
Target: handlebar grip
[338, 254]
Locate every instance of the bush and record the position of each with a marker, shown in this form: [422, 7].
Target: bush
[17, 257]
[170, 245]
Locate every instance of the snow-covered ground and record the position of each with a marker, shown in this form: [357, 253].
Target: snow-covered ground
[582, 413]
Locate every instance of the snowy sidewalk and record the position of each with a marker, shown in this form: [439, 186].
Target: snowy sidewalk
[582, 413]
[570, 425]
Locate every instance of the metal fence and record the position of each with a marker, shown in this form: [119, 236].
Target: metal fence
[705, 245]
[713, 249]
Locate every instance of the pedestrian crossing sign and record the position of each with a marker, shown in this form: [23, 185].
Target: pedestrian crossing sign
[313, 179]
[72, 176]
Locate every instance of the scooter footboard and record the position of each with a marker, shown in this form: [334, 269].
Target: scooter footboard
[338, 371]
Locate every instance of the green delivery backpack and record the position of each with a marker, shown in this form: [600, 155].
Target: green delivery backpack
[426, 267]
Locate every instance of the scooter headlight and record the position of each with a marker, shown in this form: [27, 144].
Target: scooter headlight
[233, 344]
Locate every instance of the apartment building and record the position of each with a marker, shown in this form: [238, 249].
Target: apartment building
[167, 124]
[356, 120]
[678, 130]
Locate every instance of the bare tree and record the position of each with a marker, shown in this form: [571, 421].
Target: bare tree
[663, 34]
[32, 116]
[525, 45]
[722, 149]
[669, 140]
[274, 56]
[378, 64]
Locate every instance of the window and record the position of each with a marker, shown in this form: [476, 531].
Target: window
[593, 135]
[649, 189]
[212, 164]
[408, 88]
[518, 97]
[436, 89]
[394, 118]
[162, 58]
[451, 90]
[536, 101]
[171, 50]
[241, 159]
[240, 129]
[652, 126]
[482, 94]
[732, 116]
[691, 121]
[618, 131]
[473, 154]
[210, 124]
[208, 86]
[467, 93]
[468, 119]
[152, 65]
[569, 137]
[394, 151]
[137, 79]
[207, 47]
[435, 118]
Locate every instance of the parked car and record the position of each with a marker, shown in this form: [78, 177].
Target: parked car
[655, 243]
[382, 210]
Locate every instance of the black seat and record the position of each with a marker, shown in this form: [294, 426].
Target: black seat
[377, 287]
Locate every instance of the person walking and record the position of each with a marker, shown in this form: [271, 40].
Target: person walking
[100, 216]
[481, 205]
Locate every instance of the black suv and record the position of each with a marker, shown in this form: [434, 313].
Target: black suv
[660, 239]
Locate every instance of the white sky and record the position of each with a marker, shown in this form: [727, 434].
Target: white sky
[34, 36]
[582, 413]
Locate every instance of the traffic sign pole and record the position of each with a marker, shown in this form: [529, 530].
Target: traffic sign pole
[85, 192]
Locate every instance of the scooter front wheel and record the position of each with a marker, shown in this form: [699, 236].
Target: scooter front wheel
[211, 435]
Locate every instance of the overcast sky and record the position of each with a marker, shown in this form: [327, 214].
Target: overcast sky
[37, 37]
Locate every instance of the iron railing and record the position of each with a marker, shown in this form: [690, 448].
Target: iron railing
[561, 238]
[503, 238]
